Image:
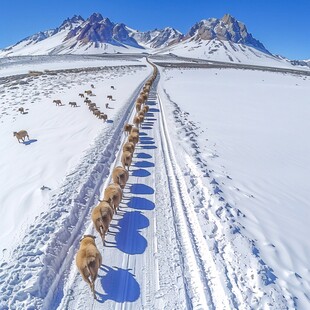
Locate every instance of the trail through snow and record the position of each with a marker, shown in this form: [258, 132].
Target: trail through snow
[175, 243]
[161, 253]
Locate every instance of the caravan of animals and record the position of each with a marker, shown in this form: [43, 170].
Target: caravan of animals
[88, 258]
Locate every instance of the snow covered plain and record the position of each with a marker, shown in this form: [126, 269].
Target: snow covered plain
[247, 131]
[209, 218]
[10, 66]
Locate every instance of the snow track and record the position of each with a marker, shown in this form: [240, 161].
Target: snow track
[194, 273]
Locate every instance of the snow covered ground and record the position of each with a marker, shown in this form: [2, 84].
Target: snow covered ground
[59, 135]
[247, 130]
[215, 211]
[225, 51]
[10, 66]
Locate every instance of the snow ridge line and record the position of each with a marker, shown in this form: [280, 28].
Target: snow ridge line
[195, 275]
[40, 264]
[247, 275]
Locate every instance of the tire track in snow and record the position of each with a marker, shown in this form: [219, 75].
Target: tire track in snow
[237, 260]
[200, 280]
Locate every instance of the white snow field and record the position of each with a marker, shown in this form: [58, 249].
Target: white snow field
[22, 65]
[243, 139]
[225, 51]
[215, 211]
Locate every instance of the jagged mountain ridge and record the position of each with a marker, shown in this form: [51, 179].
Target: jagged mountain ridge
[97, 29]
[97, 35]
[224, 29]
[93, 35]
[157, 38]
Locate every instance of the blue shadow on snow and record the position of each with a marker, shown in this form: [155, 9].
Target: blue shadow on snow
[266, 272]
[146, 142]
[139, 203]
[146, 138]
[144, 164]
[148, 147]
[143, 155]
[141, 189]
[119, 285]
[140, 173]
[128, 239]
[30, 141]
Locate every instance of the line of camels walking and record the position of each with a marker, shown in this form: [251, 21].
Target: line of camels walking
[88, 258]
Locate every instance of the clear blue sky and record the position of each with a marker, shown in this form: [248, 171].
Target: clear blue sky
[281, 25]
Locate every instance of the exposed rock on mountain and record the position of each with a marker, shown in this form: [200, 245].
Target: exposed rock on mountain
[226, 29]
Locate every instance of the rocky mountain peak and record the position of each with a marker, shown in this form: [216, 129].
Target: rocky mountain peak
[228, 19]
[227, 29]
[98, 31]
[70, 23]
[96, 18]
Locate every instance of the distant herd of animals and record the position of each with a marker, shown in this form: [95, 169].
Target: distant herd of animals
[91, 105]
[22, 134]
[88, 258]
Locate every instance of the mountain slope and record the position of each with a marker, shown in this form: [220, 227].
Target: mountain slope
[157, 38]
[226, 29]
[225, 39]
[94, 35]
[224, 51]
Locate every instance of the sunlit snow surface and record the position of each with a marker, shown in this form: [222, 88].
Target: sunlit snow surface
[215, 211]
[250, 129]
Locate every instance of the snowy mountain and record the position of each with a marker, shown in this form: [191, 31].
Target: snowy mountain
[224, 29]
[224, 51]
[157, 38]
[97, 29]
[94, 35]
[225, 39]
[28, 45]
[303, 63]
